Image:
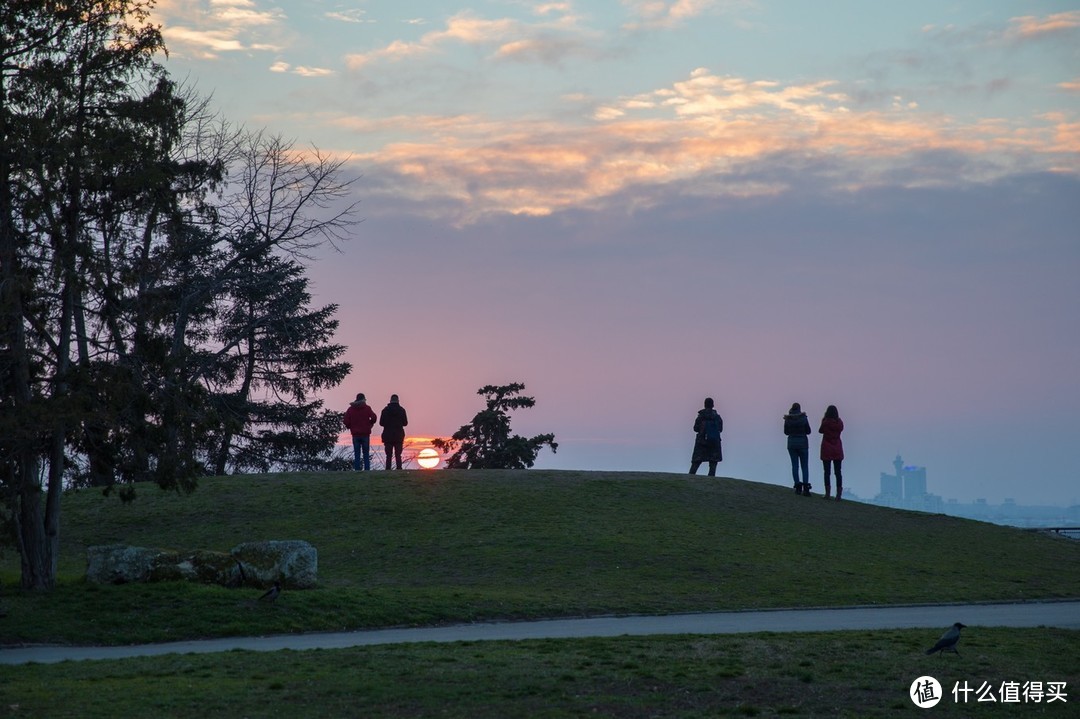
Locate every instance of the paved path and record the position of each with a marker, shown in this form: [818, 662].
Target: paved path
[1054, 614]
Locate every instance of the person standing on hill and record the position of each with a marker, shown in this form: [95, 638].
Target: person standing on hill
[393, 419]
[832, 449]
[797, 429]
[360, 418]
[707, 428]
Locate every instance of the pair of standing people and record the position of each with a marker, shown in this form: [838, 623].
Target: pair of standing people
[797, 429]
[360, 418]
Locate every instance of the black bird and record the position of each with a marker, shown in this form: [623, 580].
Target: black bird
[948, 640]
[272, 593]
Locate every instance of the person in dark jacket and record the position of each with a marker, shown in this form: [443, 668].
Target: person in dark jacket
[707, 428]
[393, 419]
[797, 429]
[360, 418]
[832, 449]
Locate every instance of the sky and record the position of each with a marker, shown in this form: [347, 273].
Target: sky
[631, 205]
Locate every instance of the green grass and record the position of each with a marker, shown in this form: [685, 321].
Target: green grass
[836, 674]
[425, 548]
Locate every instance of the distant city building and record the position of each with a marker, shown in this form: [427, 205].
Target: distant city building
[906, 488]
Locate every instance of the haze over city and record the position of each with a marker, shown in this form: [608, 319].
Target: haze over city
[630, 206]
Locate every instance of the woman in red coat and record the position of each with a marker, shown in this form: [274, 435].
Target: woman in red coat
[832, 449]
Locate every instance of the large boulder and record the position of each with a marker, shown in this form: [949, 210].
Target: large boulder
[120, 564]
[294, 563]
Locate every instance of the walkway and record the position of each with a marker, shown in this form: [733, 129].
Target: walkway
[1064, 614]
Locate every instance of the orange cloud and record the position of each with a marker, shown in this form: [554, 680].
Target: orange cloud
[701, 133]
[207, 31]
[697, 132]
[665, 13]
[1029, 26]
[510, 38]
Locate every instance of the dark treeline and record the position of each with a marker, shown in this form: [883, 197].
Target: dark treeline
[155, 318]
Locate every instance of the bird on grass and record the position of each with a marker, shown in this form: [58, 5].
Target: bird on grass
[272, 593]
[948, 640]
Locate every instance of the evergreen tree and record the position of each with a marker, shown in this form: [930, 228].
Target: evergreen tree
[274, 353]
[139, 337]
[486, 442]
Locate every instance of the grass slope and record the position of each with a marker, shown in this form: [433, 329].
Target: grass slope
[834, 674]
[415, 548]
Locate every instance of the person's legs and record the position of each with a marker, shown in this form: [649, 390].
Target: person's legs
[357, 452]
[828, 486]
[397, 452]
[839, 479]
[365, 444]
[712, 469]
[694, 467]
[804, 460]
[794, 454]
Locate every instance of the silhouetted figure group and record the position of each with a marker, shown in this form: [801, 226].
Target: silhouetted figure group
[707, 448]
[797, 429]
[360, 419]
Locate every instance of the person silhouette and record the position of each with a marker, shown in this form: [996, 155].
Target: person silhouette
[360, 418]
[393, 419]
[832, 449]
[707, 428]
[797, 429]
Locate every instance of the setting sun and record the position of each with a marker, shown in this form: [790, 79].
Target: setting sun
[428, 458]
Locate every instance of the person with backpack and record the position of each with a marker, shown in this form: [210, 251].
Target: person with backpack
[707, 428]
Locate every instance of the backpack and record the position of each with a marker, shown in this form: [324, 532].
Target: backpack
[710, 428]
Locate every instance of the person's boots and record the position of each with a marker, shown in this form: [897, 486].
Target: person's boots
[839, 489]
[828, 490]
[806, 489]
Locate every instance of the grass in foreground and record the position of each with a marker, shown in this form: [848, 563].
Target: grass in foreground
[425, 548]
[836, 674]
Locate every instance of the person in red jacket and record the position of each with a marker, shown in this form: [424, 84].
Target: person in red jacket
[360, 418]
[832, 449]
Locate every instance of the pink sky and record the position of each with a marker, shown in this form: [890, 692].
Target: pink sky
[629, 206]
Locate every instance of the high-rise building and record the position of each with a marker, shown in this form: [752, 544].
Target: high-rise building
[906, 486]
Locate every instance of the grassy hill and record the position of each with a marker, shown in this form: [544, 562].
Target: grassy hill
[414, 548]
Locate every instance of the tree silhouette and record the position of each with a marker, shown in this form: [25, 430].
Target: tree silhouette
[486, 442]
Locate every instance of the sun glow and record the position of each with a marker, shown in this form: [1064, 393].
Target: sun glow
[428, 458]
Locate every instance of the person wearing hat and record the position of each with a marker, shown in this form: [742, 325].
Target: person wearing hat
[393, 420]
[360, 418]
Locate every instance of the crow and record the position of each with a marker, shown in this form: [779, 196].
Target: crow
[948, 640]
[272, 593]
